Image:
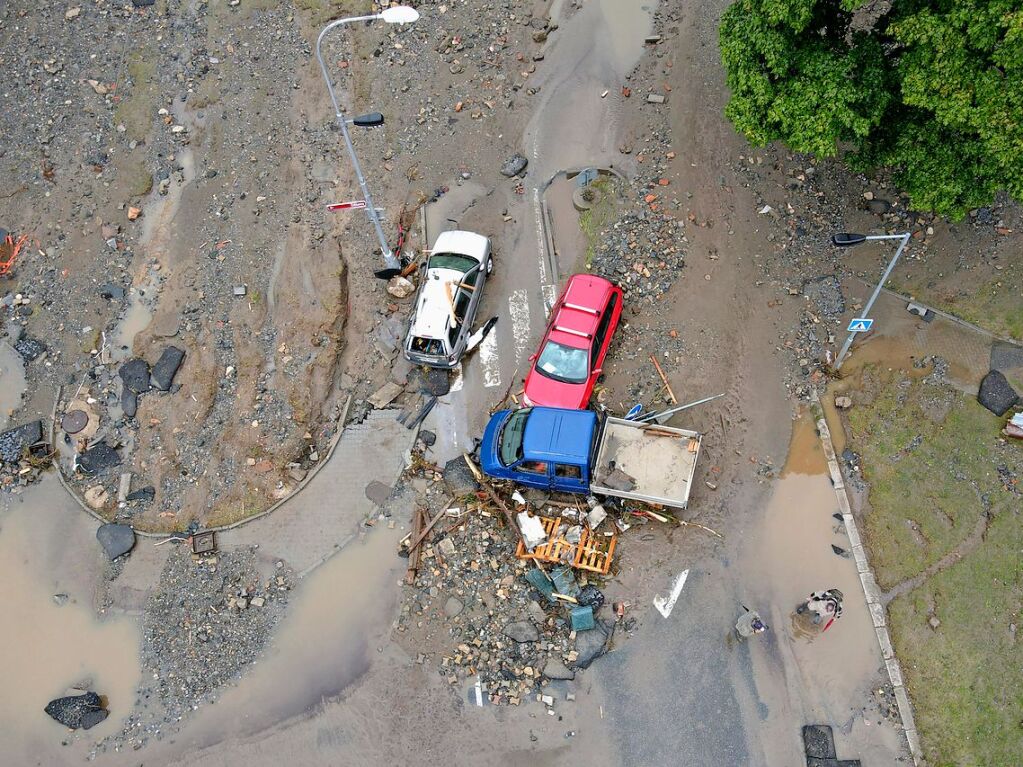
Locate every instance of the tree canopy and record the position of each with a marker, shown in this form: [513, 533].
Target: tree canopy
[932, 89]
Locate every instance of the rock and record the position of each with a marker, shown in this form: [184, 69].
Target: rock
[135, 374]
[142, 3]
[447, 547]
[590, 596]
[655, 98]
[257, 601]
[29, 348]
[110, 291]
[91, 718]
[240, 291]
[433, 381]
[427, 437]
[514, 165]
[14, 442]
[996, 393]
[60, 599]
[933, 622]
[400, 287]
[98, 459]
[385, 395]
[145, 494]
[843, 403]
[97, 496]
[124, 487]
[70, 709]
[166, 367]
[879, 206]
[458, 478]
[129, 402]
[453, 606]
[591, 644]
[134, 213]
[555, 669]
[521, 631]
[115, 539]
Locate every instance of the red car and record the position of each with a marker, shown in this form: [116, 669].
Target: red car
[574, 345]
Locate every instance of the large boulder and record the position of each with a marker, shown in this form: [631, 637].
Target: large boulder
[458, 478]
[115, 539]
[135, 374]
[166, 367]
[99, 458]
[996, 393]
[72, 709]
[591, 644]
[13, 442]
[555, 669]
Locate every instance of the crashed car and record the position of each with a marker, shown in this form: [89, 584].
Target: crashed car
[450, 291]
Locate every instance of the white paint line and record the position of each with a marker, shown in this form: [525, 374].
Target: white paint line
[665, 606]
[479, 692]
[488, 360]
[518, 309]
[541, 246]
[459, 380]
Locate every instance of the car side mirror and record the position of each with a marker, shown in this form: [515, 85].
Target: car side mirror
[532, 358]
[598, 371]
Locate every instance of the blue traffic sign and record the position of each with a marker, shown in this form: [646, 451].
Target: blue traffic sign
[860, 324]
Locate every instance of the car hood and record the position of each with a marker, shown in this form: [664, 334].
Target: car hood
[547, 392]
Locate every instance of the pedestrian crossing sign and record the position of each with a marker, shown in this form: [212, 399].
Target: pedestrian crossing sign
[860, 324]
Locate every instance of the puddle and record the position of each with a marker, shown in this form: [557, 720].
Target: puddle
[160, 210]
[326, 641]
[47, 547]
[136, 318]
[628, 22]
[806, 456]
[12, 382]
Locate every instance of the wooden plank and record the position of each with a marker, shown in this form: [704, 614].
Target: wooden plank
[416, 540]
[664, 379]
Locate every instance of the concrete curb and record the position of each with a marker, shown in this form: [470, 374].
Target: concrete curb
[871, 591]
[161, 536]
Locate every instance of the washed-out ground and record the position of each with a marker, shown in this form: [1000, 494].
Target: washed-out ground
[730, 281]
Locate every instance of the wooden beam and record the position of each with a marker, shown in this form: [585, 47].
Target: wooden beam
[664, 379]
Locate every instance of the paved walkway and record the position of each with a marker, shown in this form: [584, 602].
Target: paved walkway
[327, 513]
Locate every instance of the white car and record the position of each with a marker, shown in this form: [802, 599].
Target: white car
[450, 291]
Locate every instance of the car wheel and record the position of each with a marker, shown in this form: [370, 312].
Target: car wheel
[490, 264]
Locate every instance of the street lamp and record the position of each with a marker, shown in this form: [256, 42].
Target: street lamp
[850, 239]
[400, 14]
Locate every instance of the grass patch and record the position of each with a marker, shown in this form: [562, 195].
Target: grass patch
[137, 109]
[593, 221]
[964, 676]
[995, 305]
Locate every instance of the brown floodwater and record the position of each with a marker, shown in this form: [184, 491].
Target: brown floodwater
[48, 547]
[12, 381]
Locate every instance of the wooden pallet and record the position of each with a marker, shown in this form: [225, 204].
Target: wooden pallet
[593, 552]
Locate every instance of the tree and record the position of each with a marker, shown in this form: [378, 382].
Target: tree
[932, 89]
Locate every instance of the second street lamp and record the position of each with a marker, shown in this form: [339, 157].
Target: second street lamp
[849, 239]
[397, 15]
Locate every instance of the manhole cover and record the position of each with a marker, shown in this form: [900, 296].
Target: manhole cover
[74, 421]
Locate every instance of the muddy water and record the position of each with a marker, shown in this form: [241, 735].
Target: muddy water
[12, 381]
[826, 677]
[629, 22]
[334, 627]
[48, 547]
[136, 318]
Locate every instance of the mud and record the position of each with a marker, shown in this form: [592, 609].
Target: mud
[12, 382]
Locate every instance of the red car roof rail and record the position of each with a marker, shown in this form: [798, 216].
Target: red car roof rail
[587, 309]
[573, 332]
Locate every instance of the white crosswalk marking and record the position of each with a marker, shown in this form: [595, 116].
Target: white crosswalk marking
[489, 361]
[459, 380]
[518, 310]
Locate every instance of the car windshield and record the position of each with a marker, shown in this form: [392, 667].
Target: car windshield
[563, 363]
[452, 261]
[511, 437]
[430, 346]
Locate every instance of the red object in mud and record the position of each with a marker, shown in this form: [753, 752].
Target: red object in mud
[570, 357]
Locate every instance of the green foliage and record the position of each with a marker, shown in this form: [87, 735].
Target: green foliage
[934, 90]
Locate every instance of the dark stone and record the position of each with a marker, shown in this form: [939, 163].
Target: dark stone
[129, 402]
[427, 437]
[70, 710]
[434, 381]
[555, 669]
[996, 393]
[514, 166]
[521, 631]
[91, 718]
[592, 644]
[135, 374]
[111, 291]
[818, 741]
[13, 442]
[879, 206]
[142, 3]
[99, 458]
[115, 539]
[457, 478]
[590, 596]
[146, 494]
[166, 367]
[29, 348]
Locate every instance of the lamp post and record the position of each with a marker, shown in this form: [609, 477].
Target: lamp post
[400, 14]
[850, 239]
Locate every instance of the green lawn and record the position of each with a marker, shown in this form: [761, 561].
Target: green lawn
[965, 676]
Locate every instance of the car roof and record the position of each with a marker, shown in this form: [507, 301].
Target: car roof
[581, 292]
[563, 436]
[465, 243]
[433, 315]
